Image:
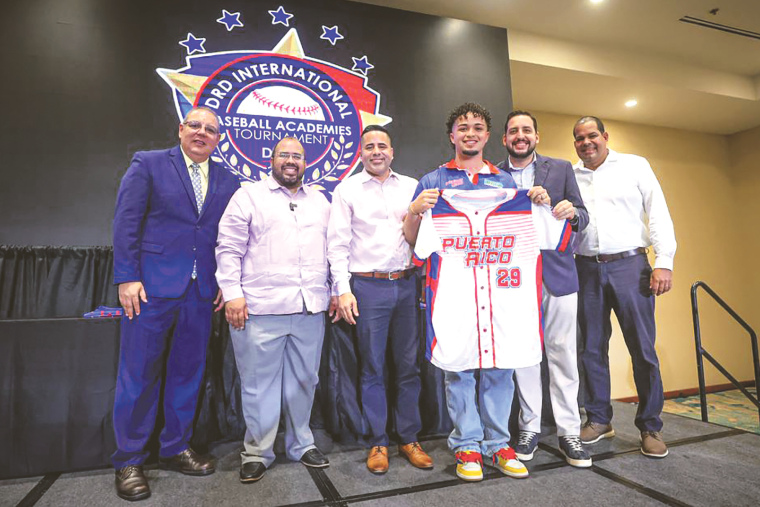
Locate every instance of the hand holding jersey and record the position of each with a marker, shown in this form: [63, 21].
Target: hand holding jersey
[483, 252]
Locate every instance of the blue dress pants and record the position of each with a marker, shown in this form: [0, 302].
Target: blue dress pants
[167, 340]
[622, 286]
[387, 326]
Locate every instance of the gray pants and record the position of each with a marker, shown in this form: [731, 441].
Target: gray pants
[278, 357]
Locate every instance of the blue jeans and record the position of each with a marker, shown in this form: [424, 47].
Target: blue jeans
[479, 410]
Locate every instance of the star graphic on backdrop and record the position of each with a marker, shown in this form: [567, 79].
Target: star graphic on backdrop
[193, 44]
[330, 34]
[190, 85]
[362, 65]
[280, 16]
[230, 19]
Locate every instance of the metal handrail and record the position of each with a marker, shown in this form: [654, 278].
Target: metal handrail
[702, 352]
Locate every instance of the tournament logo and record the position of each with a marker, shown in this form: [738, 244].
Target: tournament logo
[262, 96]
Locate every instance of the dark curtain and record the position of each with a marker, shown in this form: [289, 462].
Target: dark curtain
[57, 380]
[57, 371]
[47, 282]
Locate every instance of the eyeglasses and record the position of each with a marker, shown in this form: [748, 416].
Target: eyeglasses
[285, 155]
[196, 126]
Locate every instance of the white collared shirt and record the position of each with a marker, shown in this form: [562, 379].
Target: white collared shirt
[203, 170]
[626, 209]
[523, 176]
[366, 226]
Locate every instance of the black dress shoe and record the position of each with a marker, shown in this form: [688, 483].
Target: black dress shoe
[315, 459]
[252, 471]
[131, 483]
[188, 462]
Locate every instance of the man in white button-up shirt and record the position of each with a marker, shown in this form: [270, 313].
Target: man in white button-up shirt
[627, 214]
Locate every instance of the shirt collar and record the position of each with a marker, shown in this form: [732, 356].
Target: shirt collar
[188, 162]
[488, 167]
[612, 156]
[273, 185]
[365, 176]
[513, 168]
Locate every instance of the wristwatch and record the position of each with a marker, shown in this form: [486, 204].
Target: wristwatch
[574, 221]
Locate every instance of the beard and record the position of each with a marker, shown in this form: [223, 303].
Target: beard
[287, 181]
[520, 156]
[470, 153]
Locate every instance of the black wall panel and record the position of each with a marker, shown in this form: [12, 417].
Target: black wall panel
[81, 95]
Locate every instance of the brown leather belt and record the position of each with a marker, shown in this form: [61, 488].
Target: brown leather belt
[393, 275]
[613, 257]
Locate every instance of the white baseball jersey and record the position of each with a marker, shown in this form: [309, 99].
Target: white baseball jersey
[483, 287]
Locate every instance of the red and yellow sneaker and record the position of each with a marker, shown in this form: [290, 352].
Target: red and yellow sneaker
[505, 460]
[469, 466]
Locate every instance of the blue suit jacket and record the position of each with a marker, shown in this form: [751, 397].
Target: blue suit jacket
[558, 178]
[157, 231]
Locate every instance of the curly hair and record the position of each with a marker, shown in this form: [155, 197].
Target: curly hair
[468, 107]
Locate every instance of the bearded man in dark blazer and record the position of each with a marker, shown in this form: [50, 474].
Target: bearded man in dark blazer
[553, 179]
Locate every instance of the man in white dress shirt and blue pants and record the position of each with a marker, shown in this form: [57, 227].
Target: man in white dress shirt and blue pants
[627, 214]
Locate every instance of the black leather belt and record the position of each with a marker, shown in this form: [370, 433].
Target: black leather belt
[612, 257]
[392, 275]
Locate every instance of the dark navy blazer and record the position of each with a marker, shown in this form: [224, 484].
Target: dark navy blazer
[558, 178]
[157, 231]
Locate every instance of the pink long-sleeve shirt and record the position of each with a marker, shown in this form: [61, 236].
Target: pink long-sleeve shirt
[366, 226]
[272, 249]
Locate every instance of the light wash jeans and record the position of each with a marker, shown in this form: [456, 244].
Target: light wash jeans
[479, 410]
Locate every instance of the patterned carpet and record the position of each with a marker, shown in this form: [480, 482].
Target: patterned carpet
[729, 408]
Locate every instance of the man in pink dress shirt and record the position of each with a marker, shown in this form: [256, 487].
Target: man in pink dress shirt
[272, 270]
[371, 264]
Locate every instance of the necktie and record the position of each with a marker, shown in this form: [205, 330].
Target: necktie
[196, 179]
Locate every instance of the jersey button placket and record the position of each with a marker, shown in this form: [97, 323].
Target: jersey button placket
[482, 279]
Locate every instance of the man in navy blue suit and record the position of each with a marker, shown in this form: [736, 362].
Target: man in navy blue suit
[559, 299]
[165, 228]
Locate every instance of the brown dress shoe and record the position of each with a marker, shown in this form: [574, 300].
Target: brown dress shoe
[377, 461]
[188, 462]
[131, 483]
[652, 444]
[592, 432]
[416, 456]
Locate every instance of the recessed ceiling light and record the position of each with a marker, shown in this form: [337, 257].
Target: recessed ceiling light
[631, 103]
[596, 1]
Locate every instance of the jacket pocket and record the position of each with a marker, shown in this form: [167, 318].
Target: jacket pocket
[152, 248]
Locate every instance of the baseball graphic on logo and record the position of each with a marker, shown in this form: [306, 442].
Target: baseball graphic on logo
[281, 102]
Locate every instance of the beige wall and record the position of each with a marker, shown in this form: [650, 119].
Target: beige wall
[745, 163]
[709, 182]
